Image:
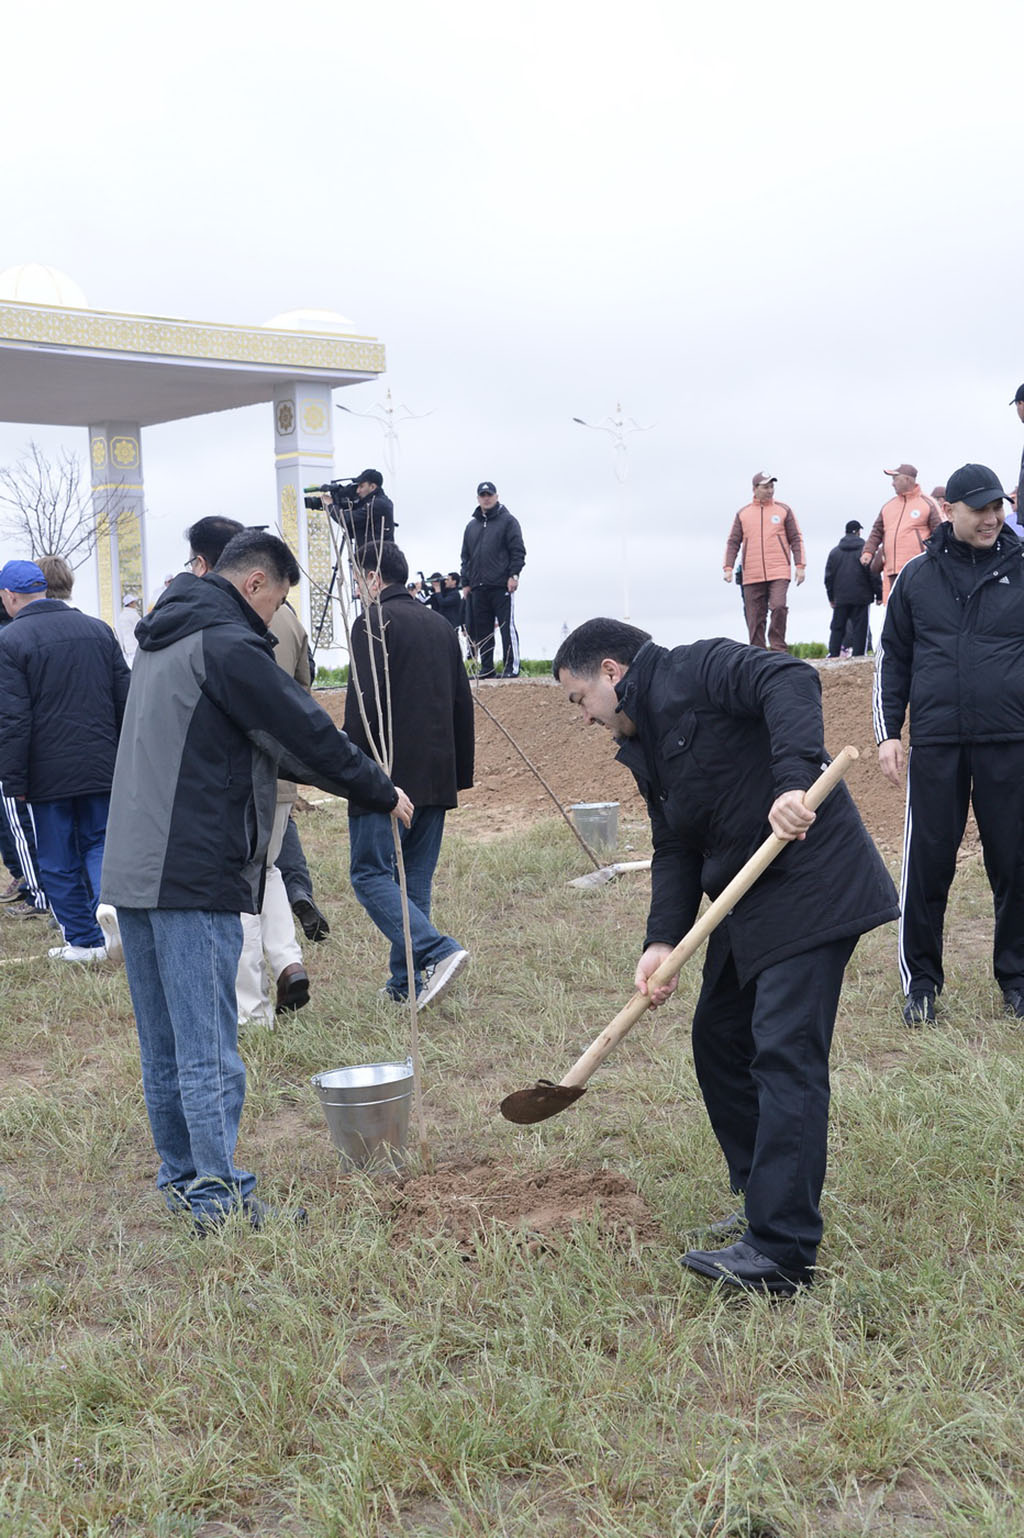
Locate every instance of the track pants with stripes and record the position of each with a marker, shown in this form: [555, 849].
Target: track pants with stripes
[942, 781]
[22, 834]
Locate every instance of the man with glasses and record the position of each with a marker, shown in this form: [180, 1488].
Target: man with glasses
[952, 650]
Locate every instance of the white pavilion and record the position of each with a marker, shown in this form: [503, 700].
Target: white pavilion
[64, 364]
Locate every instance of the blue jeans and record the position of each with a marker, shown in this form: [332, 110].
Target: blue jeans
[374, 875]
[70, 834]
[181, 965]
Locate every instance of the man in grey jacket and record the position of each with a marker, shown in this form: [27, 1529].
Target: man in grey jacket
[210, 721]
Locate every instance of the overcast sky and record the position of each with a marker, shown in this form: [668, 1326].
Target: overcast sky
[785, 237]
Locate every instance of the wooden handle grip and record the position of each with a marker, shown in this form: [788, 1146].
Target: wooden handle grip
[712, 916]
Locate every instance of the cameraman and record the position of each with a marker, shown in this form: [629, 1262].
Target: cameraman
[363, 509]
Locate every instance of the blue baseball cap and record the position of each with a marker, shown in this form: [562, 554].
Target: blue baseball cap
[22, 577]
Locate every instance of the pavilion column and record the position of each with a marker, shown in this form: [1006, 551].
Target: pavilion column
[304, 456]
[115, 459]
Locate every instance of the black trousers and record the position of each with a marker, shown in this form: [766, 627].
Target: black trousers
[761, 1055]
[856, 615]
[942, 781]
[487, 607]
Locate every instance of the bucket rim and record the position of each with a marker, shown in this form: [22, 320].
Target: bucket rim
[403, 1071]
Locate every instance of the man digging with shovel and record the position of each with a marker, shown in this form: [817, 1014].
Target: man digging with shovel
[723, 740]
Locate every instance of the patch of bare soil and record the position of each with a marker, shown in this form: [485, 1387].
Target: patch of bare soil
[578, 762]
[464, 1202]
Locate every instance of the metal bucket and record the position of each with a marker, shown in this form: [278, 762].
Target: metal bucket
[597, 822]
[367, 1111]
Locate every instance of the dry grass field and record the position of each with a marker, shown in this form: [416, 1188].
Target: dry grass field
[505, 1344]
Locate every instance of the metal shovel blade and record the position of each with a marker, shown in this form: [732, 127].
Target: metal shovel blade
[540, 1101]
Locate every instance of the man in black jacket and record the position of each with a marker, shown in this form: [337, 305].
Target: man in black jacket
[723, 740]
[368, 515]
[493, 555]
[850, 588]
[952, 649]
[428, 739]
[63, 686]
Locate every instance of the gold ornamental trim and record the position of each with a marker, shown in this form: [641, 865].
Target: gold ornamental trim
[111, 332]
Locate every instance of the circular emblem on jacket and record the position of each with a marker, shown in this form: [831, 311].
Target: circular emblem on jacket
[915, 512]
[776, 518]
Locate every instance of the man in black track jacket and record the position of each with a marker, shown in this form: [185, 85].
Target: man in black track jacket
[493, 555]
[210, 723]
[952, 651]
[723, 740]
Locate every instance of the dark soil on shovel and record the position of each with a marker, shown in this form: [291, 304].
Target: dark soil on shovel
[467, 1202]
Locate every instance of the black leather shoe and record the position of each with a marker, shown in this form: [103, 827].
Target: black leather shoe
[292, 989]
[314, 925]
[919, 1009]
[740, 1265]
[1013, 999]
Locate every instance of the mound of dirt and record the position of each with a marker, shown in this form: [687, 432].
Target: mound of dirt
[466, 1202]
[578, 763]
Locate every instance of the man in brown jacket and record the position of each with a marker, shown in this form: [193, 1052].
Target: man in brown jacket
[767, 537]
[902, 527]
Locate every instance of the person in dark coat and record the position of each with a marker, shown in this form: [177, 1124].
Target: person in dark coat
[368, 515]
[723, 740]
[952, 651]
[851, 588]
[63, 686]
[446, 598]
[431, 744]
[493, 555]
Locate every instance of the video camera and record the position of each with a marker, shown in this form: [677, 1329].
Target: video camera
[341, 495]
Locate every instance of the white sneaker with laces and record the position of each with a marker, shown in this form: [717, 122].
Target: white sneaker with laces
[77, 953]
[106, 918]
[438, 977]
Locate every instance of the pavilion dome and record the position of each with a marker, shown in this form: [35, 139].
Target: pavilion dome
[311, 320]
[33, 283]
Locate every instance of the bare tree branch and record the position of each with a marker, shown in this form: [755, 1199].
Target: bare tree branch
[46, 504]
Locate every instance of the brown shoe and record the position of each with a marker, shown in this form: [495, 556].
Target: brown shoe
[292, 988]
[23, 910]
[12, 892]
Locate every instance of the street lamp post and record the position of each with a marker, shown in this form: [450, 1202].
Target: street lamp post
[618, 428]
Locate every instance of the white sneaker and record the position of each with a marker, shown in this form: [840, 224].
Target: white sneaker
[77, 953]
[106, 918]
[437, 978]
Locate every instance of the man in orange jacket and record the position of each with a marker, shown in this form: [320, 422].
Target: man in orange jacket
[767, 537]
[902, 527]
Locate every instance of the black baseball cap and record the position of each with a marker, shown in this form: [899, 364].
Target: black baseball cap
[853, 527]
[487, 489]
[1018, 397]
[370, 475]
[976, 485]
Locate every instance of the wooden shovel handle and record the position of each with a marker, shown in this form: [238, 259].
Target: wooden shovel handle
[712, 916]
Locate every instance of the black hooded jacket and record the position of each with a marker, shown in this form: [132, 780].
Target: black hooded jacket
[952, 646]
[492, 548]
[722, 730]
[210, 722]
[846, 580]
